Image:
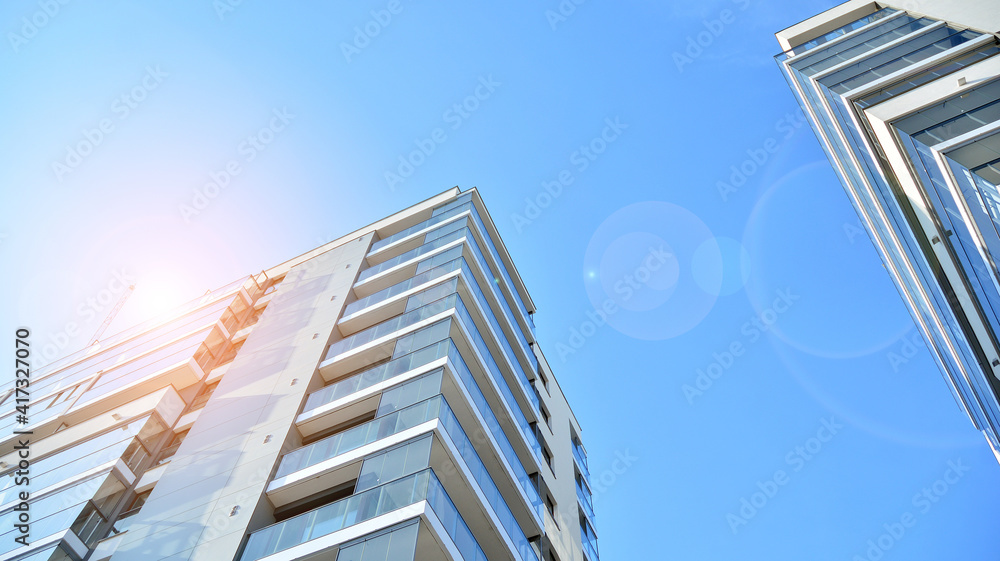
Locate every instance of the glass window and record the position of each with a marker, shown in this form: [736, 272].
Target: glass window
[410, 392]
[928, 75]
[856, 39]
[853, 26]
[901, 56]
[952, 108]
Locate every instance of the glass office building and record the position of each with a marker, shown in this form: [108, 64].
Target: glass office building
[905, 101]
[381, 397]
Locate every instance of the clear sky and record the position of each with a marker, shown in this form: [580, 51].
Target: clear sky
[183, 145]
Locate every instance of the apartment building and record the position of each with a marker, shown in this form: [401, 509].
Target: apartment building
[905, 100]
[381, 397]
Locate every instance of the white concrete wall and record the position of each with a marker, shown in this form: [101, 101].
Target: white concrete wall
[225, 462]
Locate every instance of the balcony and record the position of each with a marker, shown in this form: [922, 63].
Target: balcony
[98, 454]
[436, 266]
[434, 408]
[406, 265]
[156, 325]
[318, 403]
[70, 511]
[367, 505]
[361, 435]
[586, 502]
[472, 293]
[442, 215]
[589, 539]
[413, 231]
[364, 312]
[590, 551]
[179, 363]
[381, 339]
[432, 242]
[581, 460]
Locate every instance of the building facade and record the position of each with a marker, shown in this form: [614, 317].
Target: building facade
[905, 100]
[381, 397]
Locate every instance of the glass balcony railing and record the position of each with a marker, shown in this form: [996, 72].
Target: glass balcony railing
[589, 542]
[491, 365]
[491, 247]
[480, 298]
[438, 306]
[465, 202]
[62, 466]
[504, 306]
[434, 408]
[55, 512]
[41, 527]
[438, 270]
[581, 460]
[493, 424]
[486, 484]
[500, 336]
[443, 236]
[415, 360]
[38, 416]
[356, 437]
[390, 326]
[134, 349]
[461, 200]
[841, 31]
[146, 365]
[587, 501]
[175, 315]
[444, 214]
[380, 373]
[403, 492]
[433, 221]
[442, 267]
[438, 238]
[590, 549]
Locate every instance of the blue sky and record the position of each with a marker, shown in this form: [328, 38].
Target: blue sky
[766, 283]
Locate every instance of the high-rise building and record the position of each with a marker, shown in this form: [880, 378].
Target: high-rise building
[905, 100]
[381, 397]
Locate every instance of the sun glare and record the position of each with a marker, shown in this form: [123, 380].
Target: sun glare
[155, 294]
